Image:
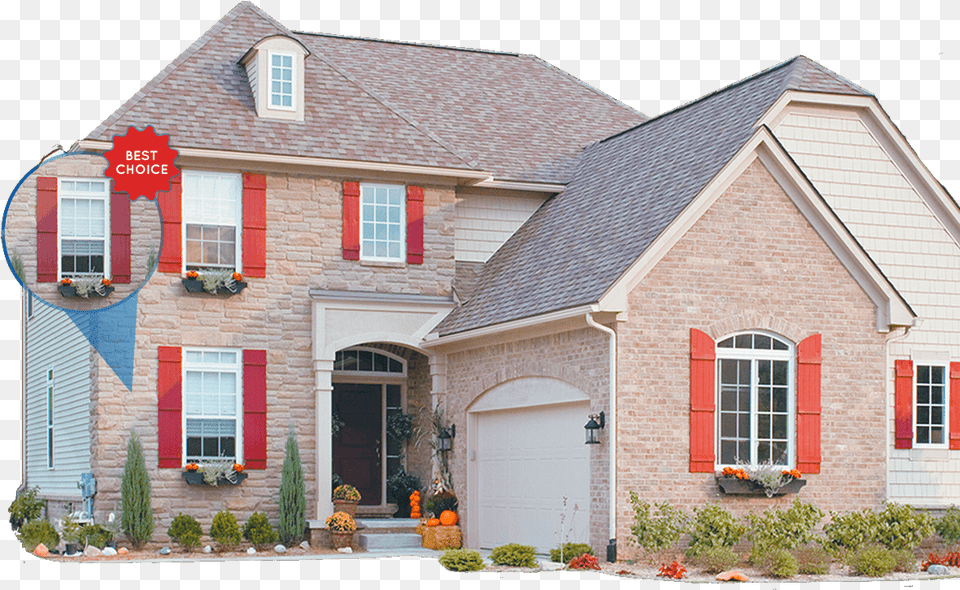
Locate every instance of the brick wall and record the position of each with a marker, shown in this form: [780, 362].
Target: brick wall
[751, 262]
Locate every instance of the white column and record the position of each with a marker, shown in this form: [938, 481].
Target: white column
[438, 388]
[323, 372]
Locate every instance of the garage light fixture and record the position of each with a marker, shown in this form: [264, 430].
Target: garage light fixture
[597, 421]
[445, 438]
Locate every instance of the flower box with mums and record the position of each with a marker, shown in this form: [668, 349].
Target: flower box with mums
[214, 474]
[214, 281]
[86, 288]
[764, 480]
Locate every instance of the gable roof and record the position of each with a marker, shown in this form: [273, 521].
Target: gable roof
[625, 191]
[378, 101]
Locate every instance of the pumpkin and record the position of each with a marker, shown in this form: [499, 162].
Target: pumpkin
[433, 521]
[448, 518]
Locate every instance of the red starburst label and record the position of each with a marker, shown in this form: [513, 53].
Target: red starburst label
[141, 163]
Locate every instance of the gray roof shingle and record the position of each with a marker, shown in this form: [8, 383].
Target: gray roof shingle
[626, 190]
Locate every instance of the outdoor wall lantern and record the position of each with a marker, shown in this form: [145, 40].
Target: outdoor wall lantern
[597, 421]
[445, 438]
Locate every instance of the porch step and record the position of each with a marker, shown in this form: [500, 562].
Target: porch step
[386, 511]
[390, 541]
[381, 526]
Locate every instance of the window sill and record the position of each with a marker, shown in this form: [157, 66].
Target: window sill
[71, 291]
[195, 478]
[734, 486]
[196, 286]
[384, 263]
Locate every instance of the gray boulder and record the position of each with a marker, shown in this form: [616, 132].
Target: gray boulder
[92, 551]
[938, 570]
[164, 551]
[280, 549]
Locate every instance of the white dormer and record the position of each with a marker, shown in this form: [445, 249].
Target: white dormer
[275, 71]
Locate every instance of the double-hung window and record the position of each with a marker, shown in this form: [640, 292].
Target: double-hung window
[84, 216]
[756, 400]
[382, 222]
[212, 204]
[931, 405]
[281, 81]
[212, 402]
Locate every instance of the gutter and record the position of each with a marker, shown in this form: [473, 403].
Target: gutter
[612, 436]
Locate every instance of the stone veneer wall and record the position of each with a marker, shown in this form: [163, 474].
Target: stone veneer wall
[21, 231]
[751, 262]
[578, 357]
[303, 248]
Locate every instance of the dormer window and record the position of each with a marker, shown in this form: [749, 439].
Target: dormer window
[275, 70]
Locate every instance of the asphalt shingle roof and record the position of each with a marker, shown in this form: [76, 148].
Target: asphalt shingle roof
[625, 191]
[514, 116]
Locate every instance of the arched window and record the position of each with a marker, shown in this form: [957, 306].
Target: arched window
[755, 400]
[369, 361]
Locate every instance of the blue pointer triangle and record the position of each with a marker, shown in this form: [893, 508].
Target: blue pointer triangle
[112, 331]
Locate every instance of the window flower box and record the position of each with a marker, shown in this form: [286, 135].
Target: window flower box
[85, 288]
[225, 473]
[747, 487]
[195, 478]
[214, 282]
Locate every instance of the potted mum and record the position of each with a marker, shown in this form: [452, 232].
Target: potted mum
[345, 499]
[342, 527]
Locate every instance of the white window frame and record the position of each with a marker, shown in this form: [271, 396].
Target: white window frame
[293, 81]
[755, 355]
[105, 196]
[946, 404]
[403, 222]
[49, 403]
[220, 367]
[29, 297]
[238, 249]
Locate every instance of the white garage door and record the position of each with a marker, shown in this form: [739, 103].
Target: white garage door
[528, 460]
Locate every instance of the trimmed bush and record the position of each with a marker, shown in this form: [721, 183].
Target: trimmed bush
[259, 531]
[948, 526]
[899, 526]
[25, 507]
[713, 527]
[96, 535]
[813, 559]
[136, 518]
[850, 531]
[658, 532]
[904, 560]
[292, 504]
[872, 560]
[779, 563]
[462, 560]
[225, 530]
[717, 559]
[782, 529]
[515, 555]
[34, 532]
[569, 551]
[185, 531]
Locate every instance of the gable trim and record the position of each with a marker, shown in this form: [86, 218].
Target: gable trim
[892, 309]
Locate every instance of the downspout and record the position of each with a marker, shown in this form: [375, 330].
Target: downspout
[611, 425]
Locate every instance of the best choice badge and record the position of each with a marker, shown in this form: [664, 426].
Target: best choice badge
[141, 163]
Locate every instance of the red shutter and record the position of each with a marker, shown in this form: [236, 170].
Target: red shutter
[903, 403]
[703, 395]
[255, 409]
[414, 225]
[119, 237]
[808, 404]
[47, 230]
[351, 221]
[955, 406]
[170, 213]
[169, 406]
[255, 225]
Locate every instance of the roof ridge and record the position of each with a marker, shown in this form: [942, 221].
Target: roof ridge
[189, 52]
[584, 84]
[410, 43]
[802, 59]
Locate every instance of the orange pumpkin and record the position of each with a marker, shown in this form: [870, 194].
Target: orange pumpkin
[448, 518]
[433, 521]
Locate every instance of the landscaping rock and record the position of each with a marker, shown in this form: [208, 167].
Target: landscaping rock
[208, 549]
[122, 551]
[938, 570]
[251, 551]
[164, 551]
[280, 549]
[92, 551]
[41, 551]
[345, 550]
[305, 545]
[732, 575]
[109, 551]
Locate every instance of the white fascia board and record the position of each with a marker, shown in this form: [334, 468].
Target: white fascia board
[891, 140]
[467, 176]
[520, 186]
[514, 330]
[891, 309]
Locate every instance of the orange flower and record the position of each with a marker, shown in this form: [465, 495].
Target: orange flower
[238, 467]
[192, 467]
[192, 274]
[106, 282]
[237, 277]
[65, 281]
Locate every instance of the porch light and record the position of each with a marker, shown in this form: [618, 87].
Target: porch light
[445, 438]
[597, 421]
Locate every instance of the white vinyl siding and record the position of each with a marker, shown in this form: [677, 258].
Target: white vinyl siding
[483, 223]
[53, 341]
[252, 76]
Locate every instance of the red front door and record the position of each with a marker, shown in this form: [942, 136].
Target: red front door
[356, 449]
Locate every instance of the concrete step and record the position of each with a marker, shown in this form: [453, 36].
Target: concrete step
[387, 525]
[390, 541]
